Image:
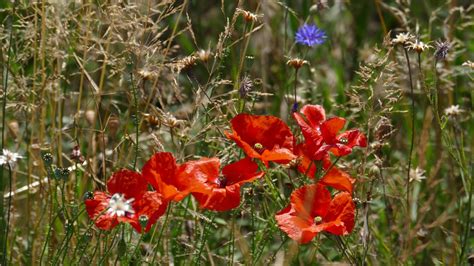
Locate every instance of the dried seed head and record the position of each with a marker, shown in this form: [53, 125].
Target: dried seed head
[203, 55]
[402, 39]
[170, 121]
[248, 16]
[442, 49]
[186, 63]
[152, 121]
[146, 74]
[246, 86]
[383, 129]
[297, 62]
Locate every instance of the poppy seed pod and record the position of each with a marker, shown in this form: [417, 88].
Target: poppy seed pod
[143, 220]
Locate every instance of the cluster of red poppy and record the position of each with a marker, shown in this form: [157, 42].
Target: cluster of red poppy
[264, 138]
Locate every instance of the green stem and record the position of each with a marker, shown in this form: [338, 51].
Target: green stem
[412, 132]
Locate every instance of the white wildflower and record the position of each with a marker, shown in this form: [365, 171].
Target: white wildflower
[417, 174]
[453, 110]
[403, 38]
[9, 157]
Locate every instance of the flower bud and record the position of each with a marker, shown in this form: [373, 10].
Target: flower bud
[88, 196]
[143, 220]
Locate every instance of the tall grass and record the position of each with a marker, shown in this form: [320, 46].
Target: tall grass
[90, 87]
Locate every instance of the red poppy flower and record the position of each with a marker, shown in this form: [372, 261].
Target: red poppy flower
[321, 134]
[127, 201]
[263, 137]
[221, 192]
[311, 211]
[166, 176]
[306, 165]
[339, 144]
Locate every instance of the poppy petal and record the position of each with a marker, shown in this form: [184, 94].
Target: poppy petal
[249, 150]
[97, 210]
[340, 216]
[310, 133]
[338, 179]
[152, 206]
[243, 171]
[278, 155]
[198, 176]
[310, 201]
[129, 183]
[354, 138]
[330, 128]
[314, 113]
[295, 227]
[220, 199]
[160, 171]
[264, 129]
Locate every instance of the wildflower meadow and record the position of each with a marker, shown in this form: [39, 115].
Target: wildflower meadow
[265, 132]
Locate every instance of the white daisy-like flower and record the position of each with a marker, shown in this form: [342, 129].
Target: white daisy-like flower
[403, 38]
[120, 206]
[417, 174]
[453, 110]
[9, 157]
[418, 46]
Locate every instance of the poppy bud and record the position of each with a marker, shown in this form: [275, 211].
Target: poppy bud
[88, 196]
[143, 220]
[47, 159]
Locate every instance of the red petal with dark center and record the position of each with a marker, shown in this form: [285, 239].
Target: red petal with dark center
[129, 183]
[97, 210]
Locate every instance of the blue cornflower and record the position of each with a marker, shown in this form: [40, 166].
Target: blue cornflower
[310, 34]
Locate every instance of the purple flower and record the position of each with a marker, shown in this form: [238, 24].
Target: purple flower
[310, 34]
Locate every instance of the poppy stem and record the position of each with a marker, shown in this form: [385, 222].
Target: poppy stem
[412, 133]
[294, 108]
[136, 121]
